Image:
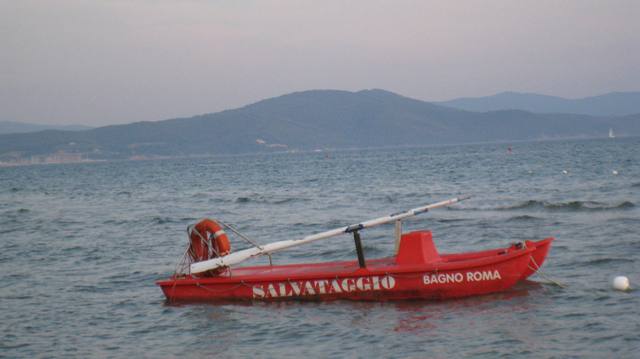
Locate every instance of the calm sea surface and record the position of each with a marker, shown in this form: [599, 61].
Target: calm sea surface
[81, 246]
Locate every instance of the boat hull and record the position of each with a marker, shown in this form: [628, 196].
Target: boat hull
[417, 272]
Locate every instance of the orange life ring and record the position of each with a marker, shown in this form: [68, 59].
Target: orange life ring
[208, 234]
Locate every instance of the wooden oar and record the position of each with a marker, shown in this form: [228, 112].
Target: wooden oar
[243, 255]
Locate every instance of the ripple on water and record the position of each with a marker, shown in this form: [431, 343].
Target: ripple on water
[568, 206]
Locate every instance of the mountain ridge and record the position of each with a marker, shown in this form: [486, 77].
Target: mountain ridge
[608, 104]
[8, 127]
[309, 120]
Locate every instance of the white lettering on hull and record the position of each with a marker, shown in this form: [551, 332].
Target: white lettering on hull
[458, 277]
[323, 286]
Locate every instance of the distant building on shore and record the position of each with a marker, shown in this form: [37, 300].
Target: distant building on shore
[58, 157]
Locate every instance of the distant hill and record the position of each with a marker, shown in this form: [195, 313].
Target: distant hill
[22, 127]
[318, 119]
[611, 104]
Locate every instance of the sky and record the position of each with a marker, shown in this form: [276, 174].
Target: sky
[99, 62]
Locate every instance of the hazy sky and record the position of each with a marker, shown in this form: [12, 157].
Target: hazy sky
[100, 62]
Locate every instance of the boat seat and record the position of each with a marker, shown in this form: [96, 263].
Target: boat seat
[417, 248]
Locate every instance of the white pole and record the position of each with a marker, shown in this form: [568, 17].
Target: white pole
[243, 255]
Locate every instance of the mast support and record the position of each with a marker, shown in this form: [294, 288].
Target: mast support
[356, 239]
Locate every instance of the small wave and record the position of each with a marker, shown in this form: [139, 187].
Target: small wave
[329, 253]
[603, 298]
[530, 204]
[369, 250]
[451, 220]
[23, 210]
[89, 289]
[288, 200]
[573, 315]
[15, 346]
[111, 222]
[523, 218]
[635, 185]
[618, 219]
[263, 200]
[163, 220]
[626, 205]
[73, 249]
[310, 226]
[600, 261]
[568, 206]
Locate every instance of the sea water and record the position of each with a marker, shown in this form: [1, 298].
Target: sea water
[81, 246]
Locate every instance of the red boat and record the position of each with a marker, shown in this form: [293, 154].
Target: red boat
[417, 271]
